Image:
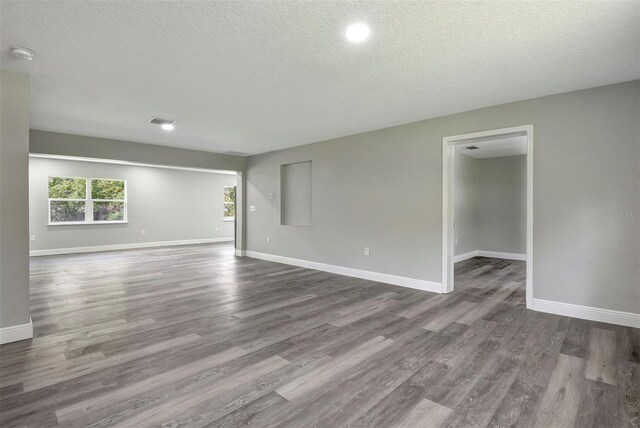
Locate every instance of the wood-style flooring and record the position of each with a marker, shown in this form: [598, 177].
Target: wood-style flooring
[194, 336]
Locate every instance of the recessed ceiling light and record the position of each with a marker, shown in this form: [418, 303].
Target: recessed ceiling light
[358, 32]
[166, 124]
[22, 53]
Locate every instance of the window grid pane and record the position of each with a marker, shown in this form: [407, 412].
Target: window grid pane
[229, 210]
[108, 211]
[66, 211]
[67, 188]
[107, 189]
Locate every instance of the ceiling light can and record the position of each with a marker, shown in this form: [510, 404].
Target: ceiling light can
[357, 32]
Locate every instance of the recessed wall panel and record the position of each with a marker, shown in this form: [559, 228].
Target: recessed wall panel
[295, 190]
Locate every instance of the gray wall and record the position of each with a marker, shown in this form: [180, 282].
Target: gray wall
[491, 204]
[465, 194]
[91, 147]
[383, 189]
[502, 204]
[14, 203]
[168, 204]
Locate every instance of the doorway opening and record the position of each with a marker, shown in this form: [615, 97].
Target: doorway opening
[503, 215]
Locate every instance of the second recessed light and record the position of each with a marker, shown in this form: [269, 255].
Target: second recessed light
[357, 33]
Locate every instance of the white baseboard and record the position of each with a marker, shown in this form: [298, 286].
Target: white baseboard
[116, 247]
[15, 333]
[499, 255]
[240, 253]
[418, 284]
[493, 254]
[465, 256]
[628, 319]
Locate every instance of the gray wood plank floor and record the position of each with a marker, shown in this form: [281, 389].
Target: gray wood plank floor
[194, 336]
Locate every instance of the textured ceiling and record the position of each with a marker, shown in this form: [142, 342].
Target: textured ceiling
[497, 148]
[259, 76]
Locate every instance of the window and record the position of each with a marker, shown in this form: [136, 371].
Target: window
[75, 200]
[107, 197]
[229, 203]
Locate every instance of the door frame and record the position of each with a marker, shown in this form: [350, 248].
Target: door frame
[448, 169]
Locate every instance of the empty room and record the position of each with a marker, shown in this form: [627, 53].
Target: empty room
[320, 214]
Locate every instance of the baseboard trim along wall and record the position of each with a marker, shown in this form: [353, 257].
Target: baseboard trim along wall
[240, 253]
[15, 333]
[418, 284]
[628, 319]
[465, 256]
[494, 254]
[116, 247]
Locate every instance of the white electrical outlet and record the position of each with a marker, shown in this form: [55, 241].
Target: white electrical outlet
[366, 251]
[252, 208]
[456, 241]
[143, 232]
[33, 237]
[268, 239]
[216, 229]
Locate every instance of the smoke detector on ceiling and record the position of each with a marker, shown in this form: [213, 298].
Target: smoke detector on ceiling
[22, 53]
[472, 147]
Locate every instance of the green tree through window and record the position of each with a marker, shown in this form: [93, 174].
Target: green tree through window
[67, 188]
[71, 201]
[67, 199]
[108, 200]
[229, 203]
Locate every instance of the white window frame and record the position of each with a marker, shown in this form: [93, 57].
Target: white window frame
[88, 206]
[225, 203]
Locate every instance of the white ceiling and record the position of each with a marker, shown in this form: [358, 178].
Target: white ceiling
[250, 76]
[495, 148]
